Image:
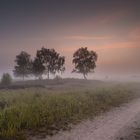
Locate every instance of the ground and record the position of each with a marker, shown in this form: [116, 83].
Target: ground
[109, 126]
[101, 110]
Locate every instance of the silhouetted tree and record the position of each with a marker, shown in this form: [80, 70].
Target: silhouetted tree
[51, 60]
[38, 68]
[23, 65]
[84, 61]
[60, 64]
[6, 79]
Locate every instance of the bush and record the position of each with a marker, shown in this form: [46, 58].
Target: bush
[6, 79]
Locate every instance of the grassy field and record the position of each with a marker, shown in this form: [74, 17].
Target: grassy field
[40, 111]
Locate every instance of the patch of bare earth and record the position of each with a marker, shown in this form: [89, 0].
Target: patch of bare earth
[108, 126]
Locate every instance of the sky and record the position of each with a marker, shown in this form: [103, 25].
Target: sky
[109, 27]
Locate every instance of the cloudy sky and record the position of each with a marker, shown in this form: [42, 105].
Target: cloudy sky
[110, 27]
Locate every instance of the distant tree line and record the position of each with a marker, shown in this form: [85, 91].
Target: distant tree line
[49, 61]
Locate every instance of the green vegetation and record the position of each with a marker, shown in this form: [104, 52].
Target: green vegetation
[134, 134]
[6, 79]
[35, 110]
[23, 65]
[47, 61]
[84, 61]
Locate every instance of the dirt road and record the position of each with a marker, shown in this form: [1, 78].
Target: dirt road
[104, 127]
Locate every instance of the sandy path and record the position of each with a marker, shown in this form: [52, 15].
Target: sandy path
[105, 127]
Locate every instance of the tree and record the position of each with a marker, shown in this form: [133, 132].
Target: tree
[6, 79]
[38, 68]
[23, 67]
[51, 60]
[60, 64]
[84, 61]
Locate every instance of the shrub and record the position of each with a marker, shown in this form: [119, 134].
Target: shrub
[6, 79]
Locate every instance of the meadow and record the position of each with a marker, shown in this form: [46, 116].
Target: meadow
[40, 111]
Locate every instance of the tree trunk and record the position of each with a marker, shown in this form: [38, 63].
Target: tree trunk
[48, 75]
[23, 77]
[84, 76]
[40, 77]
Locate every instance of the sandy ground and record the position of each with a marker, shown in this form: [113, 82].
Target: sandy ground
[108, 126]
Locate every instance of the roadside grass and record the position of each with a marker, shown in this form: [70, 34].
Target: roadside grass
[35, 111]
[134, 135]
[137, 133]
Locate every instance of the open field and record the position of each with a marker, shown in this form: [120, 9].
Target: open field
[45, 111]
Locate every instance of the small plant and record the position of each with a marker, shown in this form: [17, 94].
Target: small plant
[6, 79]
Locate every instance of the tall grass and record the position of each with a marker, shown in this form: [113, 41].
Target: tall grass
[36, 109]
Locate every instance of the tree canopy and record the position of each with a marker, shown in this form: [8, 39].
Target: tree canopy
[50, 60]
[37, 68]
[23, 65]
[84, 61]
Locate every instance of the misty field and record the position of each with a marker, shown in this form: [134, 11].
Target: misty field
[39, 111]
